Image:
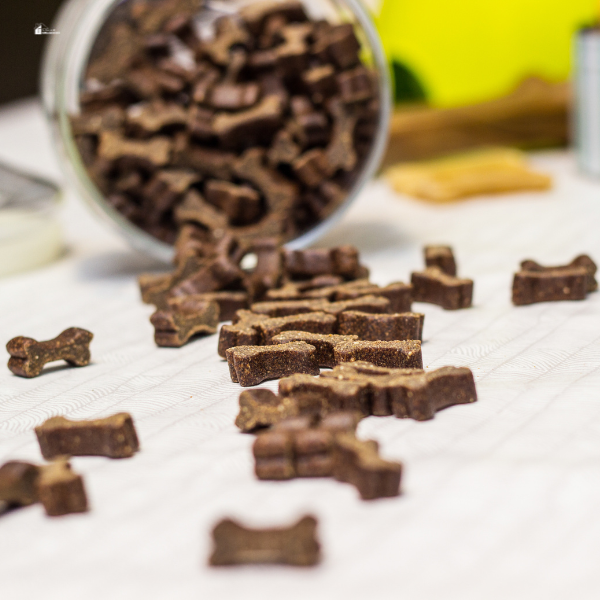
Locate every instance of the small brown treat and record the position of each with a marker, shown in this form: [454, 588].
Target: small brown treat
[195, 209]
[284, 149]
[114, 437]
[324, 344]
[341, 153]
[184, 318]
[384, 327]
[166, 187]
[355, 85]
[583, 261]
[358, 462]
[154, 286]
[109, 118]
[339, 43]
[156, 151]
[336, 395]
[441, 257]
[395, 355]
[366, 304]
[18, 481]
[229, 33]
[256, 14]
[435, 287]
[241, 204]
[153, 116]
[237, 545]
[292, 54]
[28, 357]
[242, 333]
[312, 168]
[535, 283]
[262, 408]
[322, 261]
[274, 456]
[315, 322]
[319, 287]
[206, 161]
[268, 271]
[149, 83]
[251, 365]
[284, 308]
[229, 302]
[399, 294]
[215, 274]
[311, 129]
[60, 490]
[252, 126]
[229, 96]
[320, 80]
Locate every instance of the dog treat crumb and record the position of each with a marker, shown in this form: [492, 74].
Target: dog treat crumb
[114, 437]
[396, 355]
[384, 327]
[251, 365]
[184, 318]
[435, 287]
[60, 490]
[237, 545]
[535, 283]
[28, 357]
[441, 257]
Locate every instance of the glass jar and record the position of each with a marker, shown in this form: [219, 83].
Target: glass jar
[65, 62]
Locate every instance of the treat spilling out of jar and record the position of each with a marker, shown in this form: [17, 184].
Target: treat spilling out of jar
[256, 122]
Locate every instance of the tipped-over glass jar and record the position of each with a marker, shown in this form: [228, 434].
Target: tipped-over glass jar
[263, 119]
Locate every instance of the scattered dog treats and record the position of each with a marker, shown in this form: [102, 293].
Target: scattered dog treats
[184, 318]
[301, 446]
[60, 490]
[435, 287]
[28, 357]
[441, 257]
[358, 462]
[18, 481]
[114, 437]
[535, 283]
[384, 327]
[395, 355]
[237, 545]
[251, 365]
[324, 344]
[263, 408]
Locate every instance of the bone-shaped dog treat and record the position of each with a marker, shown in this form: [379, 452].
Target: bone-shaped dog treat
[435, 287]
[154, 116]
[358, 462]
[338, 43]
[156, 151]
[240, 203]
[184, 318]
[229, 302]
[320, 287]
[269, 265]
[342, 260]
[384, 327]
[324, 344]
[301, 446]
[237, 545]
[292, 54]
[316, 322]
[399, 294]
[18, 482]
[242, 333]
[114, 437]
[262, 408]
[355, 85]
[229, 33]
[396, 355]
[28, 357]
[60, 490]
[441, 257]
[535, 283]
[251, 365]
[341, 153]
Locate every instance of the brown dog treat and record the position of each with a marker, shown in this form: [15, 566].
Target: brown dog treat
[242, 332]
[366, 304]
[324, 344]
[229, 302]
[113, 436]
[312, 168]
[274, 456]
[355, 86]
[184, 318]
[60, 490]
[285, 308]
[240, 203]
[341, 153]
[435, 287]
[237, 545]
[441, 257]
[342, 261]
[396, 355]
[256, 14]
[18, 481]
[399, 294]
[358, 462]
[230, 96]
[320, 80]
[335, 395]
[209, 162]
[338, 43]
[28, 357]
[251, 365]
[315, 322]
[154, 286]
[311, 129]
[156, 151]
[229, 33]
[384, 327]
[284, 149]
[195, 209]
[268, 271]
[262, 408]
[214, 275]
[582, 261]
[151, 117]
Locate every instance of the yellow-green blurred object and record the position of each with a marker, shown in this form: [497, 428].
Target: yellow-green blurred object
[467, 51]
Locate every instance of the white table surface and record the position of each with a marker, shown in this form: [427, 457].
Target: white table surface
[501, 498]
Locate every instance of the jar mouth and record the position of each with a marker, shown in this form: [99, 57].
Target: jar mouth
[66, 59]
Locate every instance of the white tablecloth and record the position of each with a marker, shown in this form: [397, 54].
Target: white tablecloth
[500, 499]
